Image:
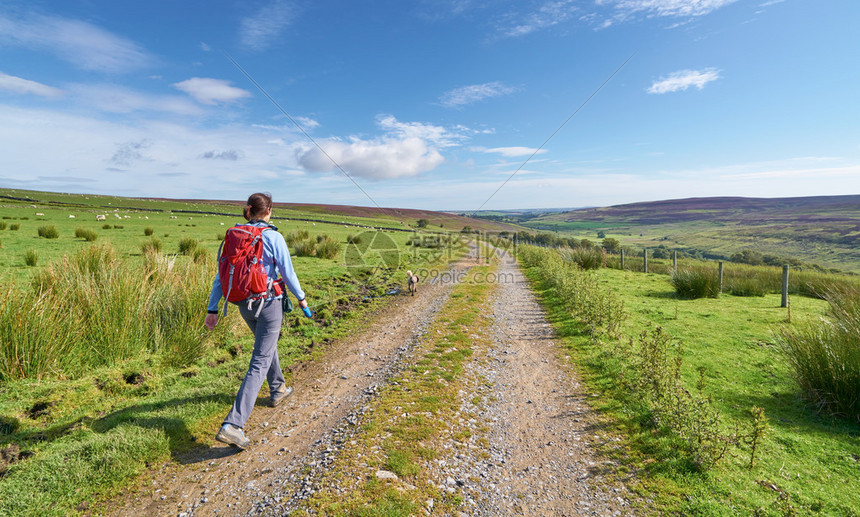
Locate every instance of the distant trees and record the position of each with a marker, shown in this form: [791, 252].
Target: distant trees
[422, 223]
[611, 245]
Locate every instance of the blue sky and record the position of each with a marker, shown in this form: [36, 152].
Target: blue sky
[432, 104]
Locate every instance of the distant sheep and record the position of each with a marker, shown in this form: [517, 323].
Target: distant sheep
[71, 216]
[412, 282]
[100, 217]
[39, 213]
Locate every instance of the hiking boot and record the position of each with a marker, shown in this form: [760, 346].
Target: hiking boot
[278, 396]
[232, 435]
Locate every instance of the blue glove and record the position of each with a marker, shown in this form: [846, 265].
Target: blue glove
[307, 311]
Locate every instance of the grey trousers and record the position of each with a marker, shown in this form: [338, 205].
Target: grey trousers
[264, 361]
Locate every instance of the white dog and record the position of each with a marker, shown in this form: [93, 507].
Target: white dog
[412, 282]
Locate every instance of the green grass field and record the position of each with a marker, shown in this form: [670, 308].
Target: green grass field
[807, 463]
[79, 433]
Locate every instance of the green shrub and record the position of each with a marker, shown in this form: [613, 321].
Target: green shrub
[106, 226]
[118, 227]
[200, 255]
[296, 236]
[187, 245]
[14, 226]
[31, 258]
[327, 248]
[2, 226]
[304, 249]
[696, 282]
[148, 231]
[356, 239]
[86, 234]
[824, 356]
[153, 245]
[49, 232]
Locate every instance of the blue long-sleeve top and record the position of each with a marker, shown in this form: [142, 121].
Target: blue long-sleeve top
[276, 259]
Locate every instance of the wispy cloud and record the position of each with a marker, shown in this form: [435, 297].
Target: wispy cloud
[232, 155]
[82, 44]
[211, 91]
[546, 15]
[260, 30]
[666, 7]
[513, 152]
[118, 99]
[13, 84]
[683, 79]
[473, 93]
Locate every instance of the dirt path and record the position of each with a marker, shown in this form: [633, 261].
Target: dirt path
[222, 481]
[539, 461]
[536, 458]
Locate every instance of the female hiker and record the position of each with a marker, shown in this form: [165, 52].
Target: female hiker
[260, 307]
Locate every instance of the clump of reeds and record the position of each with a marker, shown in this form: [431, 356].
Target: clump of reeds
[48, 232]
[824, 356]
[86, 234]
[187, 245]
[584, 257]
[696, 282]
[327, 247]
[31, 258]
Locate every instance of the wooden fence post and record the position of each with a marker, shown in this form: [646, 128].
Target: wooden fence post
[622, 259]
[674, 260]
[721, 276]
[784, 286]
[645, 258]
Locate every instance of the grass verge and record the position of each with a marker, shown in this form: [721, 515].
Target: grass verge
[804, 463]
[413, 421]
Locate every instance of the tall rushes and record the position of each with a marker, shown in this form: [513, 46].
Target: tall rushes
[696, 282]
[825, 356]
[94, 308]
[33, 340]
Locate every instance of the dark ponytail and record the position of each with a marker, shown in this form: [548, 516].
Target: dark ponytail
[258, 205]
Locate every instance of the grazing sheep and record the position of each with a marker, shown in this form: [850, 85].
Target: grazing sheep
[412, 282]
[39, 213]
[71, 216]
[100, 217]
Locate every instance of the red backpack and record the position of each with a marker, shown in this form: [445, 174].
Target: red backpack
[240, 266]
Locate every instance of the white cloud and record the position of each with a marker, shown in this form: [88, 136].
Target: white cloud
[211, 91]
[474, 93]
[204, 47]
[261, 30]
[14, 84]
[80, 43]
[385, 158]
[513, 152]
[406, 149]
[626, 8]
[683, 79]
[547, 15]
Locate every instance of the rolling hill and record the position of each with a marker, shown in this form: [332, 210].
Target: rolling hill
[822, 229]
